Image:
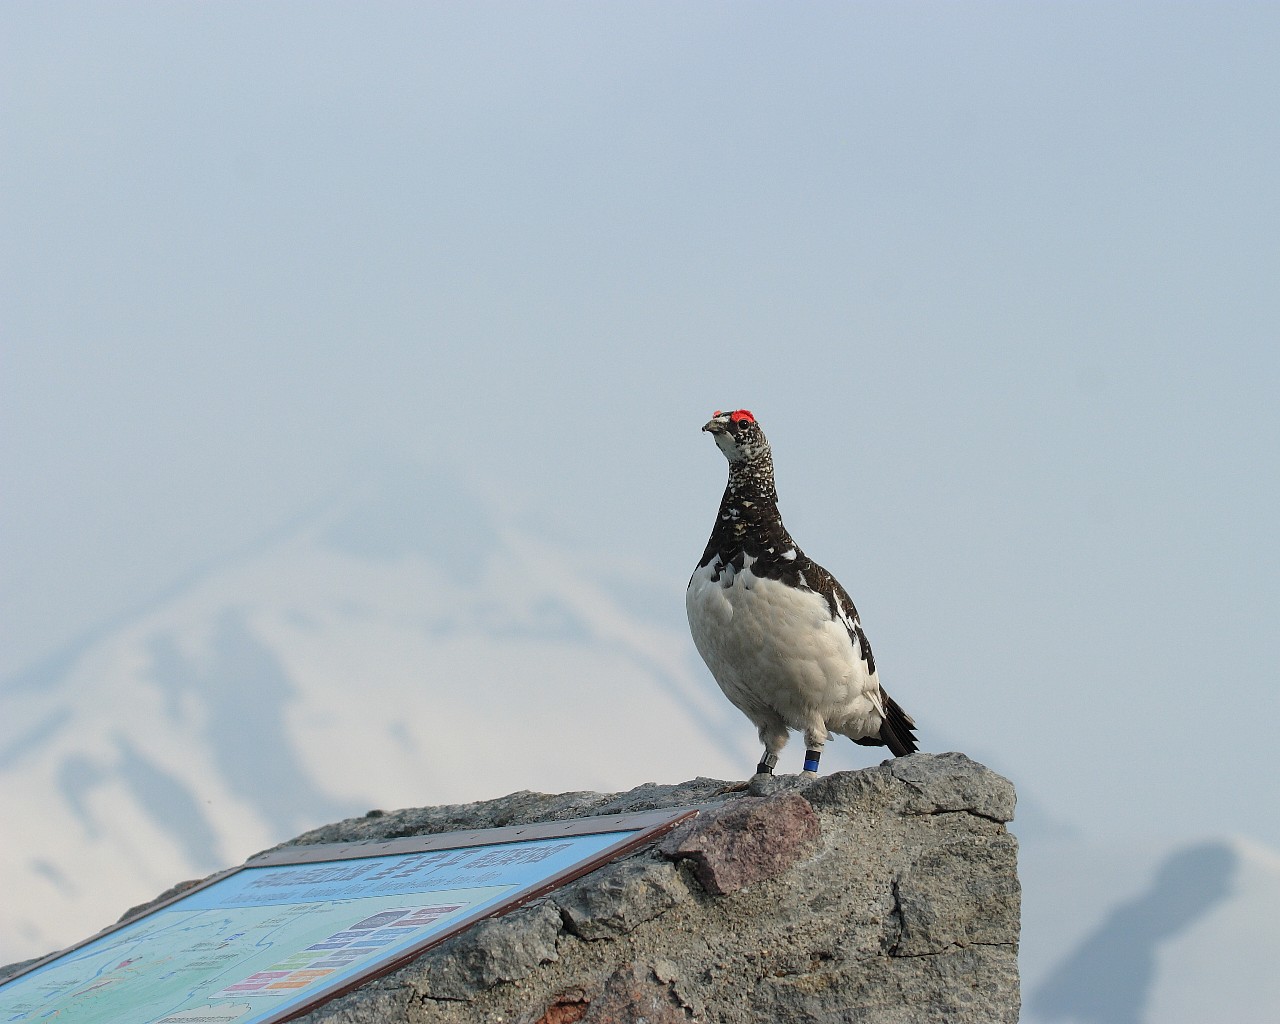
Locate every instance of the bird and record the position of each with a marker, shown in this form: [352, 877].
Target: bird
[778, 632]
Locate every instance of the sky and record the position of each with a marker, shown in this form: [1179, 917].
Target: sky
[999, 281]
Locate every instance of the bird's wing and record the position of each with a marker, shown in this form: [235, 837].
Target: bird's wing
[842, 609]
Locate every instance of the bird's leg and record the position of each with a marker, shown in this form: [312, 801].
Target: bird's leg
[815, 738]
[773, 734]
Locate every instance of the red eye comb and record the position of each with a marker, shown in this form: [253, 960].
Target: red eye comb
[737, 417]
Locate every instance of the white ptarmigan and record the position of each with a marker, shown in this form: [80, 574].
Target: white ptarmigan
[776, 629]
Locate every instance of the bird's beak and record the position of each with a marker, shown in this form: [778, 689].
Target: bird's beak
[714, 427]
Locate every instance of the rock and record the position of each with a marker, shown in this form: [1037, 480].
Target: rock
[632, 994]
[169, 893]
[958, 893]
[746, 842]
[882, 896]
[519, 808]
[566, 1008]
[500, 949]
[616, 899]
[920, 784]
[885, 896]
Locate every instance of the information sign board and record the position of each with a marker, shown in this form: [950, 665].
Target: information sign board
[274, 938]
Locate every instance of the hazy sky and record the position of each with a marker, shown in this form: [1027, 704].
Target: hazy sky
[1000, 281]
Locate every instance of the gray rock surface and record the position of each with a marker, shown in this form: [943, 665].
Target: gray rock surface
[884, 896]
[621, 897]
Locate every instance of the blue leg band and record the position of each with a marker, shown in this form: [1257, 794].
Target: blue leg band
[811, 759]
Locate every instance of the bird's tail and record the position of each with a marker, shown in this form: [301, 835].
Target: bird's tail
[897, 729]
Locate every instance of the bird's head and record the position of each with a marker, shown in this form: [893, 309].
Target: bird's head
[739, 436]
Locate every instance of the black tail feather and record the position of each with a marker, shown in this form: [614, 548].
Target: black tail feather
[898, 731]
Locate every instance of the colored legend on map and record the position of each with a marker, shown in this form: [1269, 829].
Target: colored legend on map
[359, 941]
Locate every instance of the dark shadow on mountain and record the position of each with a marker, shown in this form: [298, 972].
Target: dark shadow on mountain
[1108, 979]
[244, 694]
[172, 806]
[404, 511]
[78, 777]
[37, 737]
[165, 799]
[50, 672]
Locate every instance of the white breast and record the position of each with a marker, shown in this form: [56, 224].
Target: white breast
[775, 647]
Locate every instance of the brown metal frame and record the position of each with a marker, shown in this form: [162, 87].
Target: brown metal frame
[646, 826]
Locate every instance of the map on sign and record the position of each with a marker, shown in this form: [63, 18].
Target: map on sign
[275, 937]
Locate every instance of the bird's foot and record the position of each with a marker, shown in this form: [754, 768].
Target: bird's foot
[807, 774]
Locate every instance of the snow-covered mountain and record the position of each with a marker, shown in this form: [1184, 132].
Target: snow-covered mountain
[400, 648]
[1150, 933]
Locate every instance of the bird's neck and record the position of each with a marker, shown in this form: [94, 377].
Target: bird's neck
[750, 488]
[748, 518]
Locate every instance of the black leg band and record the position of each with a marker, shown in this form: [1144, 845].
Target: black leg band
[767, 764]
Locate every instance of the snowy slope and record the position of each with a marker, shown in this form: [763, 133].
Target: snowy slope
[1228, 956]
[1150, 933]
[400, 649]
